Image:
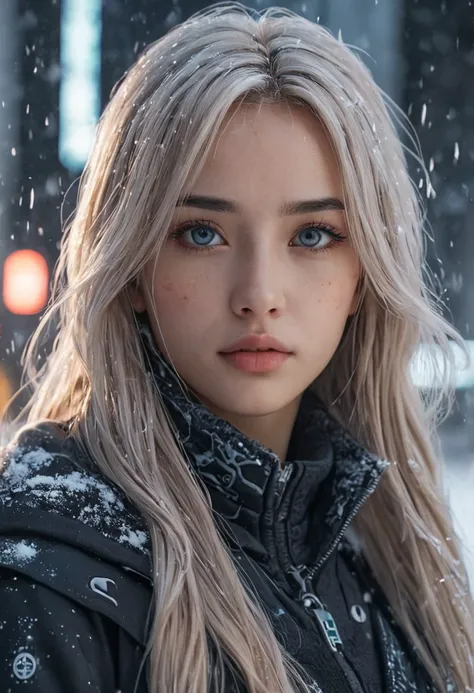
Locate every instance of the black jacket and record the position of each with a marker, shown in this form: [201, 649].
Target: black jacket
[75, 586]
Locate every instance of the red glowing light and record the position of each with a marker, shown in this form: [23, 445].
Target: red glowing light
[25, 282]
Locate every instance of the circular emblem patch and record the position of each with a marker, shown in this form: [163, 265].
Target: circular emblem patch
[24, 666]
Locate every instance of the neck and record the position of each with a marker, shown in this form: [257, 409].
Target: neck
[271, 430]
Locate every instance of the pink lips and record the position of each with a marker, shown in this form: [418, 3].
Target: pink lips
[256, 361]
[272, 355]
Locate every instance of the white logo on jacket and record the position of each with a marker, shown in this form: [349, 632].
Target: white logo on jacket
[24, 666]
[100, 585]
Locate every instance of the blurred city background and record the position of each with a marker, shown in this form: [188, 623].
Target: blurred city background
[58, 62]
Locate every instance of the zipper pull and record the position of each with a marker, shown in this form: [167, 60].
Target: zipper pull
[313, 604]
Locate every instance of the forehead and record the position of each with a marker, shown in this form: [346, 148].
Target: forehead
[272, 150]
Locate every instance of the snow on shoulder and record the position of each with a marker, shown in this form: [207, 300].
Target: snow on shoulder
[38, 472]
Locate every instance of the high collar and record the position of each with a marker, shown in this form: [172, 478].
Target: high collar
[286, 516]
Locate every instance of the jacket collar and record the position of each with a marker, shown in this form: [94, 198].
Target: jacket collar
[327, 476]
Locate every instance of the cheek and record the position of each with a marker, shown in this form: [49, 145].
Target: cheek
[173, 311]
[172, 296]
[171, 291]
[181, 297]
[340, 288]
[332, 297]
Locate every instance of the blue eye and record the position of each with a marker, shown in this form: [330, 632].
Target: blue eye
[197, 235]
[310, 237]
[202, 235]
[318, 236]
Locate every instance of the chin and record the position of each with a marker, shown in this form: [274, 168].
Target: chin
[260, 400]
[253, 409]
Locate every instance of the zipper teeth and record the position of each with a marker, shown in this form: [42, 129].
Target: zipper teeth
[345, 525]
[282, 481]
[281, 484]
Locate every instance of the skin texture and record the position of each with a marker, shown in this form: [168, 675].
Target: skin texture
[260, 275]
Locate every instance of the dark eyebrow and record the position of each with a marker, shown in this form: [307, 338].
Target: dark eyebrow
[216, 204]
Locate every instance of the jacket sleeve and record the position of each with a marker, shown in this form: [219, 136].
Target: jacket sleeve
[49, 643]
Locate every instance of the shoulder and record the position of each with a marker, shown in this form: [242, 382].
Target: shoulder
[45, 473]
[66, 527]
[37, 467]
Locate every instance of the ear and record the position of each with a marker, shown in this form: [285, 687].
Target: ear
[137, 298]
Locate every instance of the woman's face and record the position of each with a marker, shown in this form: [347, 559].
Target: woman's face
[252, 267]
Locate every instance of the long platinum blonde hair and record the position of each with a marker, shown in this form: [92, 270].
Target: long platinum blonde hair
[151, 142]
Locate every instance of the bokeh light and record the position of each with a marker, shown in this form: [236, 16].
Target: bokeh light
[25, 282]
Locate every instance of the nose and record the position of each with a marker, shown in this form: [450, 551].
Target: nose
[258, 289]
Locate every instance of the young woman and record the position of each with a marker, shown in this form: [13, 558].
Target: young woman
[227, 480]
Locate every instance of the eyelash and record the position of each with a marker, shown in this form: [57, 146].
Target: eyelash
[195, 223]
